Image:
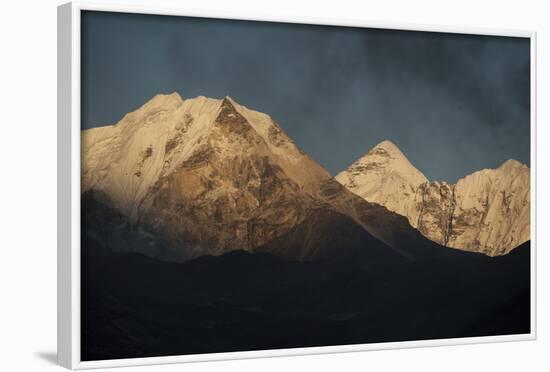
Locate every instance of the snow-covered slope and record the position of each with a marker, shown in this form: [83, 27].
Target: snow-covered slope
[492, 209]
[384, 176]
[487, 211]
[126, 159]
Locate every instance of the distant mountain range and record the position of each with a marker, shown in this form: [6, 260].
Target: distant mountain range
[206, 229]
[177, 179]
[487, 211]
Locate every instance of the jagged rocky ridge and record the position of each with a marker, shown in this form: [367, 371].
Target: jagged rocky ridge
[487, 211]
[185, 178]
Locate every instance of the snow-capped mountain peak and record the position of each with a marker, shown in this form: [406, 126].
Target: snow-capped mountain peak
[487, 211]
[382, 176]
[511, 164]
[200, 151]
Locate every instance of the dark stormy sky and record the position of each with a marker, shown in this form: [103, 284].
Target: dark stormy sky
[453, 104]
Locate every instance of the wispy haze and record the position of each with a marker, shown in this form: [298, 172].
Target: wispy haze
[453, 104]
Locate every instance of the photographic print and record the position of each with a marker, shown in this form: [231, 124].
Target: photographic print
[251, 185]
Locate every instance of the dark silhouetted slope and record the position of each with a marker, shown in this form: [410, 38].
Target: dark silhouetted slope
[136, 306]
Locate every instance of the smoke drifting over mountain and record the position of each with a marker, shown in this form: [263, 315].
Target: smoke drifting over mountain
[336, 91]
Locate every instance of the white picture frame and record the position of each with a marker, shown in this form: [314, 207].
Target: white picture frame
[69, 186]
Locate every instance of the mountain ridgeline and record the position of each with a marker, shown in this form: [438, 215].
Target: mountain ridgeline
[206, 176]
[487, 211]
[201, 176]
[206, 229]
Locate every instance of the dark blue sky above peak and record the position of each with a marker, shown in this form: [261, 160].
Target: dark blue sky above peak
[452, 103]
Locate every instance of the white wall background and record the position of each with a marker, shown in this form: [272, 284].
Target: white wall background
[28, 184]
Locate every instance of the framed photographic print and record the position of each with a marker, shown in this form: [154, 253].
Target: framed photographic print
[236, 187]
